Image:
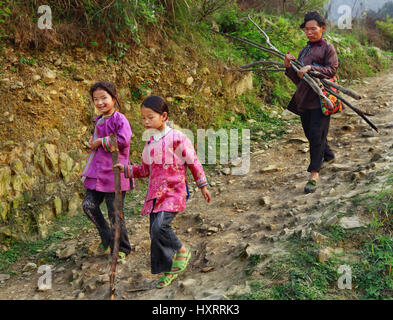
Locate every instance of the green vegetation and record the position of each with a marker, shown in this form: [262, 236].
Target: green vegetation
[255, 118]
[386, 28]
[28, 61]
[373, 275]
[4, 14]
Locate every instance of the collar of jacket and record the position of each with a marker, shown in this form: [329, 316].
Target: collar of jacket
[101, 116]
[161, 134]
[316, 43]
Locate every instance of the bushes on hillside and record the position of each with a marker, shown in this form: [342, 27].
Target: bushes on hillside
[83, 22]
[386, 28]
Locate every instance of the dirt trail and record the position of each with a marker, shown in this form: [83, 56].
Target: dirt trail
[239, 222]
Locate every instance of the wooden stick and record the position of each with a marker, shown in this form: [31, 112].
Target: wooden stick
[325, 81]
[358, 111]
[118, 206]
[264, 34]
[252, 43]
[258, 69]
[327, 87]
[346, 91]
[257, 63]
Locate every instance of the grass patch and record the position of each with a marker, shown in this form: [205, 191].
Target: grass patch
[298, 276]
[373, 275]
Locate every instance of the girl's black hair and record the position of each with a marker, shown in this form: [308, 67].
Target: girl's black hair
[156, 103]
[314, 15]
[108, 87]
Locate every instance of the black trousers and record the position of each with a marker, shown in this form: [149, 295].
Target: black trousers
[91, 207]
[164, 242]
[316, 126]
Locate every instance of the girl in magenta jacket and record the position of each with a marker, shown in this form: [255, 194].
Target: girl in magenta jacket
[165, 159]
[97, 176]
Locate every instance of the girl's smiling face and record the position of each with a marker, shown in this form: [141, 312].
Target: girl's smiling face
[104, 101]
[313, 31]
[152, 119]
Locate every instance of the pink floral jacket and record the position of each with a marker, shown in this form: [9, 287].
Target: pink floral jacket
[165, 162]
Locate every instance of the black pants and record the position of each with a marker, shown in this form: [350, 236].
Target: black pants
[164, 242]
[316, 126]
[91, 207]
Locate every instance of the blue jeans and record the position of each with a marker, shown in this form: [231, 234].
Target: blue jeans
[164, 242]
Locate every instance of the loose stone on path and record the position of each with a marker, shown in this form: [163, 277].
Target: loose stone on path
[350, 222]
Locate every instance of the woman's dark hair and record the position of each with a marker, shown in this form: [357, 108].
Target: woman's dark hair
[108, 87]
[156, 103]
[314, 15]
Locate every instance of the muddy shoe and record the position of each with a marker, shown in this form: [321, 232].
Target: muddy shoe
[97, 250]
[311, 186]
[102, 250]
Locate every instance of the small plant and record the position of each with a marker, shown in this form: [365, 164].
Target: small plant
[138, 92]
[253, 261]
[5, 12]
[29, 61]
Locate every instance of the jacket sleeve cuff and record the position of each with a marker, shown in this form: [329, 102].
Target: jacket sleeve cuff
[106, 144]
[202, 182]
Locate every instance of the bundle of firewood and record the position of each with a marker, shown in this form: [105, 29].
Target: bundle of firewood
[315, 79]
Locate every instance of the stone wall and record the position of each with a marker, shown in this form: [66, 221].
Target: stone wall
[40, 183]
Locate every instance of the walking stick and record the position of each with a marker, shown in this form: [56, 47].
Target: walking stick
[118, 205]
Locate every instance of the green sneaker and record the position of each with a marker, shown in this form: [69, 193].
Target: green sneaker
[166, 280]
[122, 257]
[311, 186]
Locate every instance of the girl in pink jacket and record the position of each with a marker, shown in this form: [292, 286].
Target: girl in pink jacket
[165, 159]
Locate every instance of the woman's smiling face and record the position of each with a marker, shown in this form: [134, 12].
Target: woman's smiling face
[313, 31]
[104, 101]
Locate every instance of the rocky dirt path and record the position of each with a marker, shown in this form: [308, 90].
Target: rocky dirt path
[250, 214]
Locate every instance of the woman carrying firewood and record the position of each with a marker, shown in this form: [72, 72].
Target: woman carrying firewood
[320, 56]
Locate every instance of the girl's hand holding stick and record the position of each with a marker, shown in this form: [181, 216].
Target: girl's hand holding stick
[120, 166]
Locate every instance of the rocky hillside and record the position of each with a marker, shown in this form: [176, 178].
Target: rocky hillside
[48, 119]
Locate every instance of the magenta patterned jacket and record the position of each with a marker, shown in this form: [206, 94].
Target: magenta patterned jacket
[98, 173]
[165, 162]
